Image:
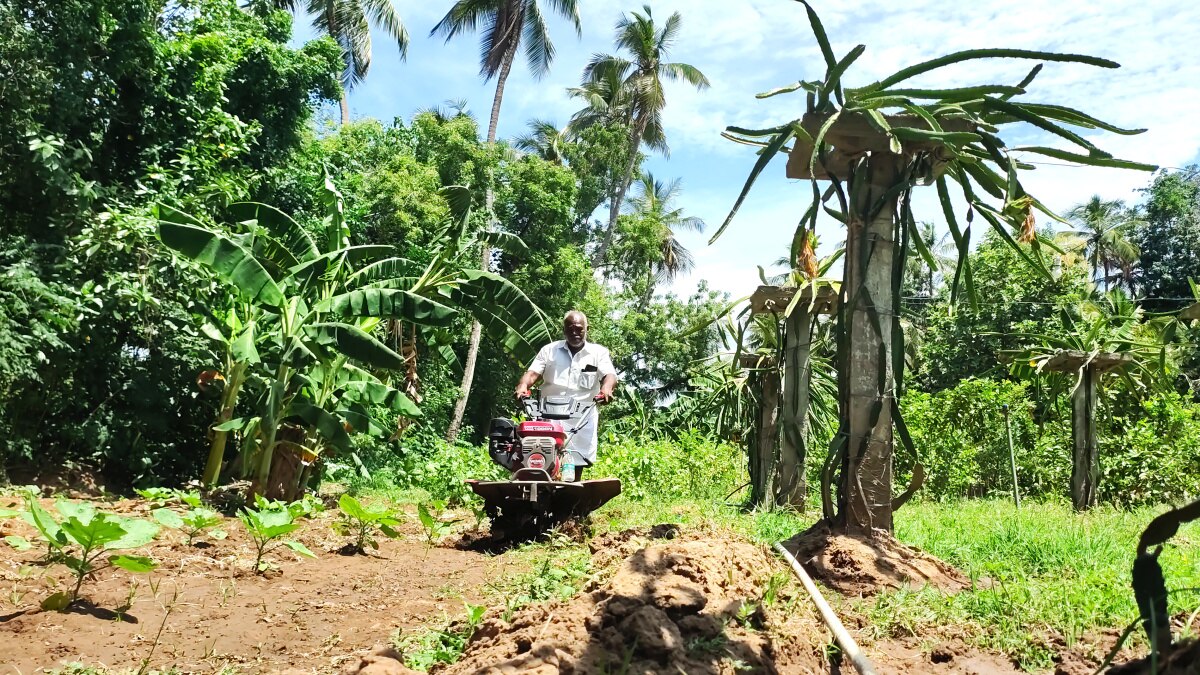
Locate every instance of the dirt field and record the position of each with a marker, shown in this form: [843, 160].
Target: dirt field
[214, 611]
[662, 601]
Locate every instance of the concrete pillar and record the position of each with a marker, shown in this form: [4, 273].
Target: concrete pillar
[791, 487]
[1085, 456]
[868, 387]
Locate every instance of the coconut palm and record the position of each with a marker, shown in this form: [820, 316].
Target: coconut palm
[1101, 229]
[507, 24]
[544, 140]
[640, 97]
[650, 250]
[349, 22]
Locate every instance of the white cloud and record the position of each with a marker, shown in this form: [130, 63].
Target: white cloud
[749, 46]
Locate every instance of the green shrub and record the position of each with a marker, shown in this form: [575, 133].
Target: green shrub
[960, 437]
[691, 467]
[1153, 455]
[1149, 451]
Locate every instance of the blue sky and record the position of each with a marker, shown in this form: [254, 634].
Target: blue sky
[749, 46]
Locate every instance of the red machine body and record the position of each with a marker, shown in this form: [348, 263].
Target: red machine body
[543, 429]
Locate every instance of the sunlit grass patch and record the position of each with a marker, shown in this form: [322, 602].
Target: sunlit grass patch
[1043, 572]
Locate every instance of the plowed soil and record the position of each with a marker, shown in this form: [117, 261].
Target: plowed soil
[865, 565]
[213, 610]
[665, 600]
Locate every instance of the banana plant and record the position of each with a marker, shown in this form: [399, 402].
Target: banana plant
[306, 345]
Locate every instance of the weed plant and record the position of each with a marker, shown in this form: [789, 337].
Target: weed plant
[444, 646]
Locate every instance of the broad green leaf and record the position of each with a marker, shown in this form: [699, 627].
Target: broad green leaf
[231, 263]
[355, 344]
[168, 518]
[101, 530]
[133, 563]
[327, 424]
[352, 507]
[243, 348]
[506, 241]
[231, 425]
[327, 264]
[389, 304]
[41, 520]
[389, 268]
[379, 394]
[56, 602]
[297, 240]
[18, 542]
[138, 532]
[300, 548]
[507, 315]
[81, 511]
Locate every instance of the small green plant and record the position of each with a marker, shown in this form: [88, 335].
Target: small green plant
[266, 527]
[443, 646]
[305, 507]
[430, 516]
[82, 538]
[365, 523]
[192, 522]
[157, 496]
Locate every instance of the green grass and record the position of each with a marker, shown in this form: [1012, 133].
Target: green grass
[1054, 573]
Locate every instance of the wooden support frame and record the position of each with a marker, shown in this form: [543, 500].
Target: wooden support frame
[1085, 444]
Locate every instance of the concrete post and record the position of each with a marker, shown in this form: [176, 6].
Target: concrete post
[868, 386]
[1085, 457]
[791, 487]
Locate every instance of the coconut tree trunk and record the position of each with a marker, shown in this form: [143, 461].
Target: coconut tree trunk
[460, 406]
[345, 105]
[614, 207]
[791, 489]
[868, 386]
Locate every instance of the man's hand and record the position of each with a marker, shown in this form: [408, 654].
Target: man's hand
[522, 392]
[604, 397]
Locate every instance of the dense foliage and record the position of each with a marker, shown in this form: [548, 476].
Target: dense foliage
[117, 355]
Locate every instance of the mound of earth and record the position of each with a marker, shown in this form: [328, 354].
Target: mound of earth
[864, 565]
[1183, 659]
[676, 607]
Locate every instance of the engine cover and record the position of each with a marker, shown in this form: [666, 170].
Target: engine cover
[542, 429]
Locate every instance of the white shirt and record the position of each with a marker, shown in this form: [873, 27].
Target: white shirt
[579, 376]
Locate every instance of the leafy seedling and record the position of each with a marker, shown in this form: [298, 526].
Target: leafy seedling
[364, 523]
[157, 496]
[266, 528]
[305, 507]
[83, 537]
[192, 523]
[431, 521]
